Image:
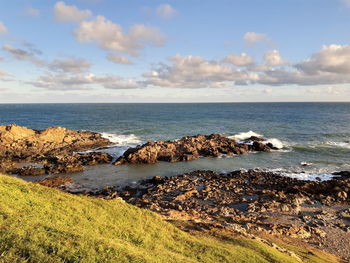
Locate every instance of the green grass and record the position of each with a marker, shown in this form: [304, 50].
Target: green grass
[39, 224]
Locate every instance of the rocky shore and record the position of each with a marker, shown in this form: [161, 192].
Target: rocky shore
[191, 148]
[55, 150]
[25, 151]
[251, 202]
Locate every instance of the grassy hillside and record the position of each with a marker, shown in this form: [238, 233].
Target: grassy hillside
[39, 224]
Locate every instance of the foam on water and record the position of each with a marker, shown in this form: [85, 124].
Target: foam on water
[275, 142]
[240, 137]
[245, 135]
[309, 176]
[303, 175]
[345, 145]
[121, 139]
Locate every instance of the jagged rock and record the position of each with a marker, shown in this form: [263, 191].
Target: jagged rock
[255, 200]
[21, 142]
[23, 145]
[189, 148]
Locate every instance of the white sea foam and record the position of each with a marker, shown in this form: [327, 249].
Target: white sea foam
[303, 175]
[275, 142]
[244, 135]
[345, 145]
[309, 176]
[122, 143]
[240, 137]
[306, 164]
[121, 139]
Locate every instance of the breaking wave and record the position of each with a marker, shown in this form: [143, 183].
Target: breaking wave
[345, 145]
[246, 135]
[303, 175]
[121, 139]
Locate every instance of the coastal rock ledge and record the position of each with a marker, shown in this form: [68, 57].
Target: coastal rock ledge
[191, 148]
[21, 149]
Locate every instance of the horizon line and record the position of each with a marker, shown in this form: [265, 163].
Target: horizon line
[201, 102]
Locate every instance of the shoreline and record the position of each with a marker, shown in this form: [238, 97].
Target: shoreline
[252, 202]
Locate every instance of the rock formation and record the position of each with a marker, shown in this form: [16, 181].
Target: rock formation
[53, 148]
[253, 201]
[191, 148]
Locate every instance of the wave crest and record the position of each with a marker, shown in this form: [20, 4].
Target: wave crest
[345, 145]
[246, 135]
[121, 139]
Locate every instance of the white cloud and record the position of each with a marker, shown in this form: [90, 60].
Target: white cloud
[115, 82]
[331, 90]
[106, 34]
[30, 11]
[65, 81]
[331, 59]
[4, 76]
[110, 36]
[3, 28]
[330, 66]
[70, 13]
[62, 65]
[273, 58]
[267, 91]
[147, 35]
[70, 65]
[239, 60]
[196, 72]
[118, 59]
[25, 55]
[252, 38]
[166, 11]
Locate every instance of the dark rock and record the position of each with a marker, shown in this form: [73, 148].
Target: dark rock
[342, 174]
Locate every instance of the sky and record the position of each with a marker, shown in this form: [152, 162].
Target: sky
[174, 51]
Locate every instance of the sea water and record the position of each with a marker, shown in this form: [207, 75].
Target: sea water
[313, 138]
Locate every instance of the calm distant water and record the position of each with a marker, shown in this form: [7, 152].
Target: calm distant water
[316, 133]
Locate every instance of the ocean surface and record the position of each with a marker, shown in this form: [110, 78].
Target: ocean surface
[313, 134]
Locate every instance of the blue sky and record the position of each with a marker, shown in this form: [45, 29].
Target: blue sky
[175, 51]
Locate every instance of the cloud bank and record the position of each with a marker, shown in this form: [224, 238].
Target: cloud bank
[68, 13]
[331, 65]
[110, 36]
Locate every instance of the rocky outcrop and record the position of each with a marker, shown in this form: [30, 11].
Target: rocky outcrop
[21, 142]
[251, 201]
[54, 148]
[191, 148]
[253, 191]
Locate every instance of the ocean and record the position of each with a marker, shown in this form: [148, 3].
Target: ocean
[314, 137]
